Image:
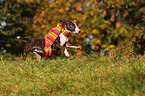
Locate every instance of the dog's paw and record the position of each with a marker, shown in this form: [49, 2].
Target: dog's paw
[66, 53]
[18, 37]
[77, 47]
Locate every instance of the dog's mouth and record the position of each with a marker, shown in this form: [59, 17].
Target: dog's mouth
[77, 31]
[74, 32]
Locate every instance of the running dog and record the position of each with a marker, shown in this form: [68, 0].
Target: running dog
[54, 40]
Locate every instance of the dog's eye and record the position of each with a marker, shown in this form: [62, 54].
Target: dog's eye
[71, 26]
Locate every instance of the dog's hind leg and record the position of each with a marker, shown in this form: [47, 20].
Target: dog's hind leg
[26, 51]
[25, 54]
[38, 56]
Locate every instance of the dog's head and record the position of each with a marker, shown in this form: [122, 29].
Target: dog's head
[70, 26]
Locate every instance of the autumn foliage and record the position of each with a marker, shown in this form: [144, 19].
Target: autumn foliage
[106, 25]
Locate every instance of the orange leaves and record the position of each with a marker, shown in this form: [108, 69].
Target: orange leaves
[42, 14]
[61, 10]
[97, 47]
[118, 24]
[142, 10]
[67, 8]
[100, 18]
[43, 27]
[84, 16]
[112, 19]
[51, 5]
[18, 14]
[44, 21]
[74, 21]
[77, 6]
[28, 1]
[87, 16]
[92, 13]
[104, 13]
[83, 35]
[10, 24]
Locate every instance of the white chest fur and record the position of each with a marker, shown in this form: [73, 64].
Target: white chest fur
[63, 39]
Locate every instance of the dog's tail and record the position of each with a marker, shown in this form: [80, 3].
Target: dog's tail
[20, 37]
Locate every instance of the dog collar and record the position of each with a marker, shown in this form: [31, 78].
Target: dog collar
[64, 32]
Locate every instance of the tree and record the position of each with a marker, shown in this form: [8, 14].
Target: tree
[105, 24]
[132, 13]
[14, 18]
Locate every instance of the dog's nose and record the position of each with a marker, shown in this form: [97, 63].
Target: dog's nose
[79, 31]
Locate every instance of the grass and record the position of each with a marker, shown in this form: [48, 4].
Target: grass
[86, 75]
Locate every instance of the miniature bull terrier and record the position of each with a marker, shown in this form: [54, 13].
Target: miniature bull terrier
[54, 40]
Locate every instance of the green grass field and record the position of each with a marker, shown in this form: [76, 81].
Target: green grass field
[86, 76]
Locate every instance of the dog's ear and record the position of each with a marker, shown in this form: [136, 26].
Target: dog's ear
[63, 22]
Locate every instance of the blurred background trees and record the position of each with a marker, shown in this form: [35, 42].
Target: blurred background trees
[106, 25]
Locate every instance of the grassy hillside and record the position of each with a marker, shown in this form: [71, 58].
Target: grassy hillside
[87, 75]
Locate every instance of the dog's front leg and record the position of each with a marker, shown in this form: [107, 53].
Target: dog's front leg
[66, 53]
[71, 46]
[62, 48]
